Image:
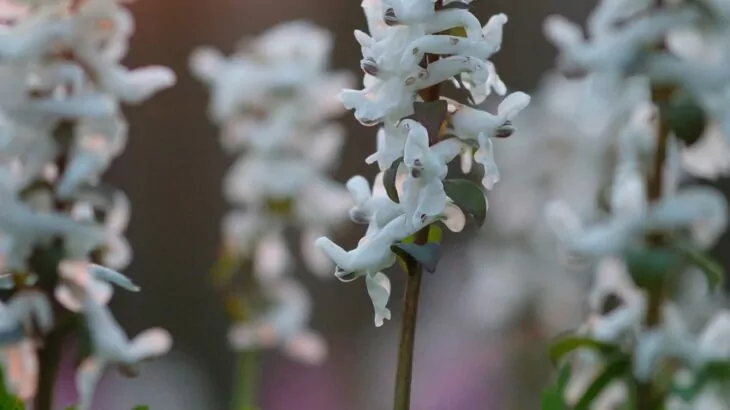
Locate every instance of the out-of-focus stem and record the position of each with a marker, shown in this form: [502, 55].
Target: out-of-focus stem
[647, 397]
[246, 381]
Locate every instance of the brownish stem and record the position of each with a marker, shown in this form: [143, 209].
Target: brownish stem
[404, 372]
[646, 395]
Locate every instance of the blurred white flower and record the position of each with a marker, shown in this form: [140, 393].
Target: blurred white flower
[111, 346]
[17, 343]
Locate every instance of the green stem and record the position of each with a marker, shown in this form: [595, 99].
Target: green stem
[245, 381]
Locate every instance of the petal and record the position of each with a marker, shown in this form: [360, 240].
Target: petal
[150, 343]
[378, 286]
[87, 376]
[67, 299]
[467, 159]
[306, 347]
[316, 261]
[359, 188]
[714, 341]
[206, 63]
[272, 259]
[513, 105]
[454, 218]
[432, 199]
[700, 208]
[416, 144]
[563, 220]
[114, 277]
[485, 156]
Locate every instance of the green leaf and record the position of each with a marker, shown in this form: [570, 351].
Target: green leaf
[684, 117]
[389, 178]
[141, 408]
[714, 272]
[7, 400]
[435, 233]
[552, 400]
[648, 265]
[427, 255]
[469, 197]
[617, 368]
[565, 345]
[553, 396]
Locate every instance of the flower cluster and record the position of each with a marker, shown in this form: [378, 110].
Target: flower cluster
[61, 229]
[649, 241]
[416, 52]
[274, 99]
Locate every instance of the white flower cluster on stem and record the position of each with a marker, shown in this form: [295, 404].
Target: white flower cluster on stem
[655, 232]
[414, 46]
[61, 229]
[274, 100]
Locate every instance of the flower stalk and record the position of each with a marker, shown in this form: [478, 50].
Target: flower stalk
[404, 371]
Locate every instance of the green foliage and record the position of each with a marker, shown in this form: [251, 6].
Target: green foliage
[618, 367]
[468, 196]
[427, 255]
[389, 180]
[714, 371]
[140, 407]
[435, 234]
[648, 265]
[553, 396]
[7, 400]
[564, 345]
[685, 117]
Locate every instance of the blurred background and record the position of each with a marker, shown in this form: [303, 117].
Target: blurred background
[472, 344]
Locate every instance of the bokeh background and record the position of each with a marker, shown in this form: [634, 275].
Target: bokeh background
[172, 172]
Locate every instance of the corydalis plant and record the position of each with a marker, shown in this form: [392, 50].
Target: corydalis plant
[275, 99]
[61, 228]
[637, 349]
[426, 66]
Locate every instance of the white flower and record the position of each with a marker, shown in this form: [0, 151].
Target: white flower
[469, 123]
[283, 324]
[17, 349]
[372, 206]
[701, 210]
[616, 51]
[372, 255]
[81, 279]
[111, 346]
[423, 189]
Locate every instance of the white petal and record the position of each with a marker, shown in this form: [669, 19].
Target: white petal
[306, 347]
[700, 208]
[112, 276]
[513, 105]
[378, 286]
[359, 188]
[206, 63]
[714, 341]
[315, 260]
[150, 343]
[455, 220]
[87, 377]
[272, 258]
